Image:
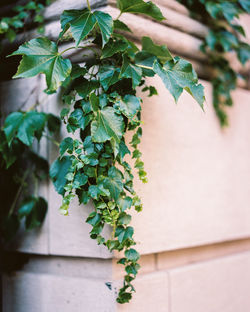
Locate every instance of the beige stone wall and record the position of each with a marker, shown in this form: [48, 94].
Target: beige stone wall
[194, 231]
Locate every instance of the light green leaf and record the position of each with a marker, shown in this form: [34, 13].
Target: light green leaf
[141, 7]
[129, 105]
[41, 56]
[107, 125]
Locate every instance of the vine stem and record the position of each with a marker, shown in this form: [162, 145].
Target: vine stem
[18, 193]
[80, 47]
[89, 5]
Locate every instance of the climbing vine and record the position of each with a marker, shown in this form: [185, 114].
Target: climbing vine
[10, 26]
[100, 106]
[225, 35]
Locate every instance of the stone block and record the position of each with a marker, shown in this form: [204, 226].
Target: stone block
[214, 286]
[29, 292]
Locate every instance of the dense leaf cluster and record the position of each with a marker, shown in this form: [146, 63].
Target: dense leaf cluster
[21, 166]
[11, 25]
[100, 106]
[225, 35]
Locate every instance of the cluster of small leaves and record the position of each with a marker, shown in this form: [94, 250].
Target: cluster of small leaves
[10, 26]
[21, 166]
[101, 106]
[224, 36]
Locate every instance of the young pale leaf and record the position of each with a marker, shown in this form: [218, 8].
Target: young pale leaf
[160, 51]
[125, 203]
[107, 125]
[129, 105]
[41, 56]
[24, 126]
[58, 172]
[141, 7]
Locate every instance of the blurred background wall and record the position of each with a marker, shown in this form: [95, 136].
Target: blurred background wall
[194, 231]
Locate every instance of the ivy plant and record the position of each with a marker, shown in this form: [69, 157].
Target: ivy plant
[11, 25]
[101, 106]
[224, 36]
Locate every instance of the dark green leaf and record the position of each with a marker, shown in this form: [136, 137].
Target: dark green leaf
[132, 255]
[140, 6]
[160, 51]
[24, 126]
[131, 71]
[108, 76]
[124, 233]
[58, 172]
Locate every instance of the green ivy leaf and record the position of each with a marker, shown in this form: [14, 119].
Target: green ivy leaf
[25, 126]
[81, 23]
[161, 52]
[66, 146]
[34, 210]
[113, 47]
[107, 125]
[105, 23]
[129, 105]
[94, 218]
[129, 70]
[121, 26]
[141, 7]
[245, 5]
[124, 233]
[178, 75]
[58, 172]
[243, 52]
[132, 255]
[125, 203]
[41, 56]
[114, 183]
[108, 76]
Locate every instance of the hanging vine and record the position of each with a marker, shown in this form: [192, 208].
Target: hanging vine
[225, 35]
[100, 108]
